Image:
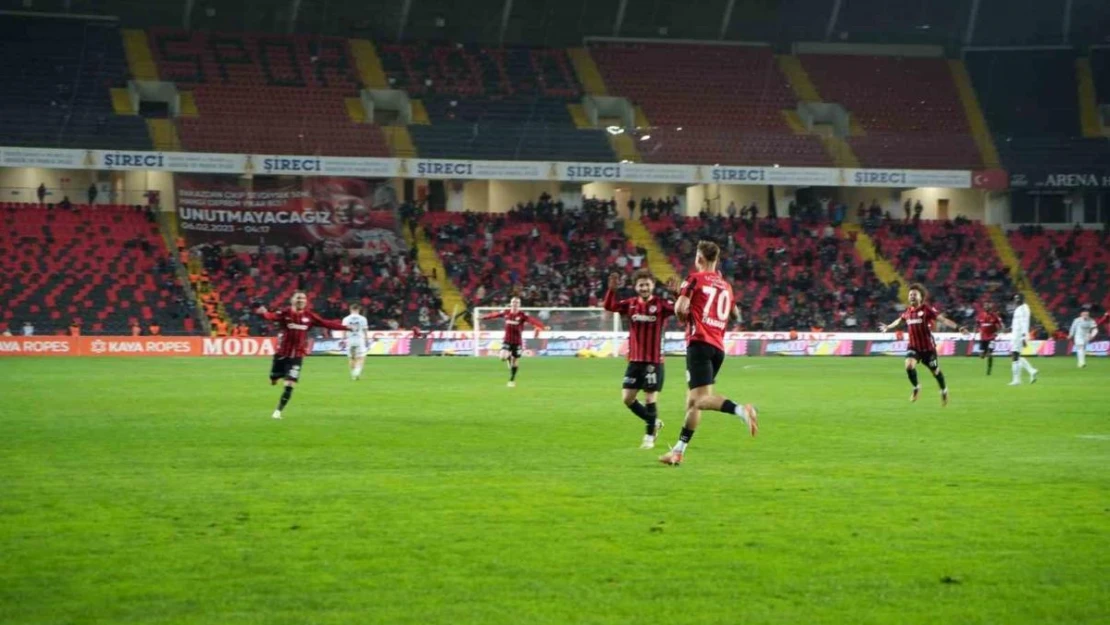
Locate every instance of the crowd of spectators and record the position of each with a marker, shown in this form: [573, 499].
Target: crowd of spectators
[393, 292]
[544, 252]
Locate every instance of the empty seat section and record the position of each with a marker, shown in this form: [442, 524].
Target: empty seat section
[282, 94]
[727, 100]
[493, 103]
[105, 267]
[909, 109]
[59, 74]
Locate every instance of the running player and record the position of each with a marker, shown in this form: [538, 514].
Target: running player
[357, 340]
[647, 314]
[705, 306]
[919, 318]
[1083, 329]
[1019, 338]
[512, 345]
[989, 325]
[295, 323]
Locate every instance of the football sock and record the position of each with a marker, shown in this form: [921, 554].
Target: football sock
[940, 381]
[512, 376]
[285, 395]
[653, 416]
[1081, 353]
[1025, 365]
[990, 364]
[638, 409]
[731, 407]
[683, 440]
[1015, 366]
[912, 375]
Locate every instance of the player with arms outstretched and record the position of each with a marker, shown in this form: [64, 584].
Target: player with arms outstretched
[357, 340]
[512, 345]
[1019, 338]
[989, 325]
[295, 323]
[705, 306]
[919, 318]
[1083, 329]
[647, 315]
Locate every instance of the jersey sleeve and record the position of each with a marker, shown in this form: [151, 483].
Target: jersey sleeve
[494, 315]
[536, 323]
[269, 315]
[612, 304]
[689, 285]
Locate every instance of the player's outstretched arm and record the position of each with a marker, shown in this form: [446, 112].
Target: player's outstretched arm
[320, 322]
[261, 311]
[946, 321]
[493, 315]
[892, 325]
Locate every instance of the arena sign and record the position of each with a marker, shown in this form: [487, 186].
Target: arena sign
[447, 169]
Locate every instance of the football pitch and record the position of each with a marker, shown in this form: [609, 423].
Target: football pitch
[156, 491]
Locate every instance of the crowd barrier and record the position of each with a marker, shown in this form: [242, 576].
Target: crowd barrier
[580, 344]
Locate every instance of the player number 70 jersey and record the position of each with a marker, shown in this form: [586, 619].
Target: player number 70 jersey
[710, 308]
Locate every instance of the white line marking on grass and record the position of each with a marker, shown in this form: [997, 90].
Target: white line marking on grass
[1094, 437]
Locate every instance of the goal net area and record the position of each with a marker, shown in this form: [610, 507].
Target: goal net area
[587, 332]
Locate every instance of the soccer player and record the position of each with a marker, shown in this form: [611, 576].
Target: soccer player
[705, 306]
[989, 325]
[295, 323]
[919, 318]
[1083, 329]
[1019, 337]
[647, 314]
[357, 340]
[512, 345]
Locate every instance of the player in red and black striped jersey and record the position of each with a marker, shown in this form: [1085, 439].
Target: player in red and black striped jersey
[919, 318]
[295, 323]
[705, 305]
[512, 345]
[647, 315]
[989, 325]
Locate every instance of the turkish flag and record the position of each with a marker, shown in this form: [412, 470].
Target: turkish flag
[990, 179]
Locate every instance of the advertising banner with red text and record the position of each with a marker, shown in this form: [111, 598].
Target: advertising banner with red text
[353, 212]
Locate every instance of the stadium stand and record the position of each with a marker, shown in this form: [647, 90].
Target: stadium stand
[105, 266]
[281, 94]
[390, 287]
[1067, 268]
[727, 100]
[1036, 119]
[59, 73]
[490, 103]
[954, 258]
[545, 253]
[909, 108]
[1100, 70]
[789, 273]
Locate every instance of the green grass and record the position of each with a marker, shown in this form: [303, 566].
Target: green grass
[160, 491]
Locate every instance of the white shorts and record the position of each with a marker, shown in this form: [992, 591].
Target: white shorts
[356, 349]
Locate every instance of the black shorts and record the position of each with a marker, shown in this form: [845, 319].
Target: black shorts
[287, 368]
[644, 376]
[703, 361]
[516, 351]
[986, 345]
[927, 358]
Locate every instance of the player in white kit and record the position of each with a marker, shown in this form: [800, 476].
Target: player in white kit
[1019, 336]
[1083, 329]
[356, 340]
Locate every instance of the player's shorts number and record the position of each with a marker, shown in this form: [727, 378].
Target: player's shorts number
[652, 378]
[294, 372]
[723, 301]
